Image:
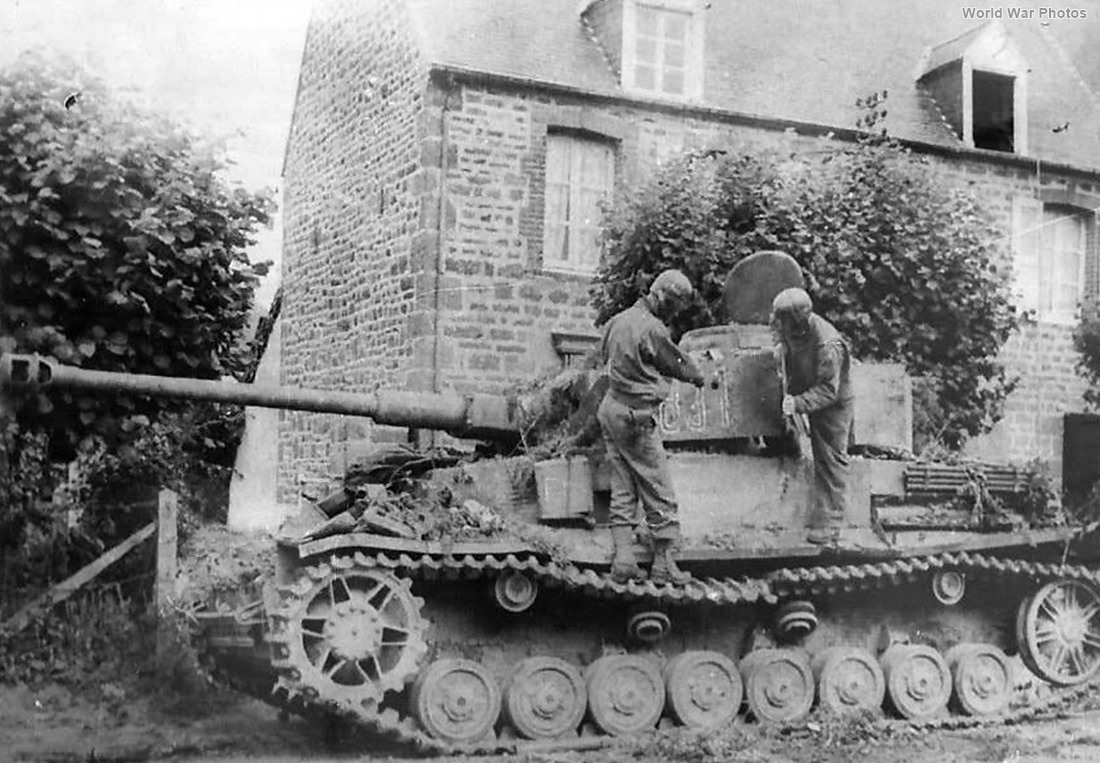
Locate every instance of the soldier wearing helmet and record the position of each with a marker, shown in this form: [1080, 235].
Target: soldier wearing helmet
[818, 368]
[639, 356]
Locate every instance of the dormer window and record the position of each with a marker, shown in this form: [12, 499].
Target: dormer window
[979, 82]
[663, 48]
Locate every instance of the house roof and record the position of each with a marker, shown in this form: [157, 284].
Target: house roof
[807, 64]
[953, 49]
[542, 40]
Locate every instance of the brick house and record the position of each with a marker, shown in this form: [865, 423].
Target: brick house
[446, 159]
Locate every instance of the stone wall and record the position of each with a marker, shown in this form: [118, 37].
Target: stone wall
[354, 217]
[502, 306]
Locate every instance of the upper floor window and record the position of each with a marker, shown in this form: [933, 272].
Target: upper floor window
[979, 82]
[580, 175]
[663, 47]
[1050, 249]
[993, 113]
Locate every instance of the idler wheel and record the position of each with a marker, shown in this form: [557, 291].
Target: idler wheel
[625, 694]
[514, 592]
[981, 678]
[546, 698]
[456, 700]
[779, 684]
[649, 626]
[918, 681]
[703, 690]
[1058, 632]
[795, 620]
[849, 680]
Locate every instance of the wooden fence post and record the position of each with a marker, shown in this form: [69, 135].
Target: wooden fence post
[167, 509]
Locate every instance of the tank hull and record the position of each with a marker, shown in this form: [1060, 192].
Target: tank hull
[888, 617]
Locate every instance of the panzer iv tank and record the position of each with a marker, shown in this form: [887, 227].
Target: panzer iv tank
[517, 636]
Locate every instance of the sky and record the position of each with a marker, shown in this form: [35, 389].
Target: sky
[219, 65]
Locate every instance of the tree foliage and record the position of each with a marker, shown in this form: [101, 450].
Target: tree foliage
[123, 247]
[1086, 340]
[904, 264]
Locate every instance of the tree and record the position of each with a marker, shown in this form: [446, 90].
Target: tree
[122, 245]
[1086, 340]
[902, 263]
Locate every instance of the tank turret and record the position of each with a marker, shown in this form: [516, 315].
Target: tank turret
[476, 416]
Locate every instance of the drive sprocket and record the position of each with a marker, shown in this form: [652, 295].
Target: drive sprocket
[347, 634]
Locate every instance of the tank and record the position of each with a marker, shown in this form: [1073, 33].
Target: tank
[467, 607]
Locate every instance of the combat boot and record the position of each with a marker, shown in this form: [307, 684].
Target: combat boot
[624, 566]
[664, 565]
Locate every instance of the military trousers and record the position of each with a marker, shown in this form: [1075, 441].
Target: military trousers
[830, 433]
[639, 468]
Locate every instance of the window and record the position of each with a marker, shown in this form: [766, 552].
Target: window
[580, 174]
[663, 48]
[979, 81]
[1050, 242]
[993, 108]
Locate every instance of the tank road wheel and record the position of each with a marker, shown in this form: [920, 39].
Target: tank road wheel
[1059, 633]
[703, 689]
[546, 698]
[779, 684]
[848, 680]
[625, 694]
[456, 701]
[355, 634]
[918, 681]
[981, 677]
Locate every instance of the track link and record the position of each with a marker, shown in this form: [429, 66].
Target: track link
[387, 723]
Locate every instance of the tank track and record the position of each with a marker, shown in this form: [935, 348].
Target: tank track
[388, 724]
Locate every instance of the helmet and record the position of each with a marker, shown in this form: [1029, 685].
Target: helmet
[671, 283]
[792, 302]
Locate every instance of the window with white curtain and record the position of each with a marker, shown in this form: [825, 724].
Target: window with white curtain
[1050, 243]
[580, 175]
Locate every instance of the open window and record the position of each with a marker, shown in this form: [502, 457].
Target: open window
[979, 83]
[993, 111]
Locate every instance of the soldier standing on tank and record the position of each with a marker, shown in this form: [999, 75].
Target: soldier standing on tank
[818, 366]
[638, 353]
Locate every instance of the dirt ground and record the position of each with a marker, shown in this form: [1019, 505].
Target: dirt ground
[52, 725]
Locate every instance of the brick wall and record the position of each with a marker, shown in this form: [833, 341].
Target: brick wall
[357, 195]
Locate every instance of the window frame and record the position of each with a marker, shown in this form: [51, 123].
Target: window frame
[694, 43]
[1030, 227]
[1019, 105]
[576, 191]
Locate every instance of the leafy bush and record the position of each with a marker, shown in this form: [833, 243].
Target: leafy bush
[96, 636]
[901, 262]
[124, 248]
[1086, 340]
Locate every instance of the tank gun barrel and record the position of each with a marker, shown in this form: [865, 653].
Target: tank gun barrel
[488, 416]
